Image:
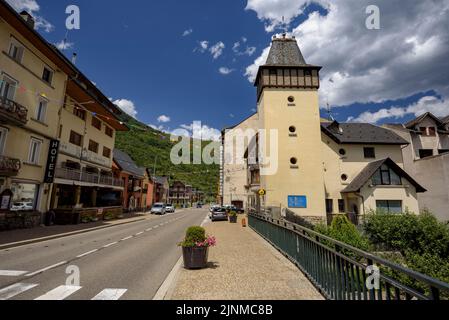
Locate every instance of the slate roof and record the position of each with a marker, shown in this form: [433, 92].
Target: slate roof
[412, 124]
[285, 52]
[160, 180]
[445, 120]
[369, 171]
[124, 161]
[360, 133]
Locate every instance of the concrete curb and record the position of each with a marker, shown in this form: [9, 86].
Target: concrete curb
[166, 290]
[63, 235]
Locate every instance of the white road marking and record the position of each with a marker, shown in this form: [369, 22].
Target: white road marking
[149, 229]
[87, 253]
[155, 227]
[15, 289]
[138, 234]
[127, 238]
[110, 245]
[60, 293]
[11, 273]
[46, 269]
[110, 294]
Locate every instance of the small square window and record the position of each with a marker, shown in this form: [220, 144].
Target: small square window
[96, 123]
[370, 153]
[106, 152]
[76, 139]
[109, 132]
[93, 146]
[47, 75]
[16, 51]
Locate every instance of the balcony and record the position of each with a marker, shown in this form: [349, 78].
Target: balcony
[9, 167]
[12, 113]
[92, 178]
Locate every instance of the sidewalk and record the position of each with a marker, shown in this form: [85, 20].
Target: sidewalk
[26, 236]
[243, 266]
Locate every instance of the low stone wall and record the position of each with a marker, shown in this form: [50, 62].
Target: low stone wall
[86, 215]
[19, 220]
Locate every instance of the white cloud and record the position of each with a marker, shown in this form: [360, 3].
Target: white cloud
[273, 12]
[64, 45]
[249, 51]
[225, 71]
[32, 7]
[406, 56]
[217, 49]
[438, 107]
[163, 119]
[187, 32]
[127, 106]
[205, 132]
[202, 46]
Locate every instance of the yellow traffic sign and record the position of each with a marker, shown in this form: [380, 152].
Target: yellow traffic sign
[262, 192]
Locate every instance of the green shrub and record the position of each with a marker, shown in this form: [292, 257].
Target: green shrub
[194, 235]
[422, 234]
[233, 214]
[344, 231]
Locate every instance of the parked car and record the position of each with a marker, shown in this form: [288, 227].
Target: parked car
[170, 208]
[231, 208]
[199, 205]
[219, 214]
[22, 206]
[159, 208]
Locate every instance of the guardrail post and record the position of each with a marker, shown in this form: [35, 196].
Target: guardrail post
[435, 293]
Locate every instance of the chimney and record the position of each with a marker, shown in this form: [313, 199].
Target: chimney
[74, 58]
[28, 18]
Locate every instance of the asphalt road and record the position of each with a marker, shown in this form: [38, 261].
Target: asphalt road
[127, 262]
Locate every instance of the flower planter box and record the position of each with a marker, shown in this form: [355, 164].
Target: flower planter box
[195, 258]
[233, 219]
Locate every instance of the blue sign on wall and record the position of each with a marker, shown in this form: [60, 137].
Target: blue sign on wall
[297, 202]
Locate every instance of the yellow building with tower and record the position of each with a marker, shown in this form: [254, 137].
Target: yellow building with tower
[299, 165]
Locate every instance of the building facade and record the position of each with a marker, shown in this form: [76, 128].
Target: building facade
[31, 94]
[57, 130]
[132, 176]
[299, 164]
[427, 157]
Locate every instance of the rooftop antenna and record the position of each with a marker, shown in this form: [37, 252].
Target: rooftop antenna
[329, 111]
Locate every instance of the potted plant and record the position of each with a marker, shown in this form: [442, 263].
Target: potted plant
[195, 248]
[233, 217]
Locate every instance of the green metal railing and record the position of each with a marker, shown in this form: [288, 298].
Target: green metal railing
[339, 271]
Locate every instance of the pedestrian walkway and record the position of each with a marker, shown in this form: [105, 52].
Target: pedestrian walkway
[243, 266]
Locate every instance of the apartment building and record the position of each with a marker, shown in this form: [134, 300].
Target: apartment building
[426, 156]
[132, 177]
[31, 94]
[180, 194]
[301, 165]
[57, 129]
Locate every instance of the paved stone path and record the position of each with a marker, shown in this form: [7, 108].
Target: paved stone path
[243, 266]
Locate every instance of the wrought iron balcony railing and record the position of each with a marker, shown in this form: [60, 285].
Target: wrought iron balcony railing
[83, 176]
[9, 167]
[12, 112]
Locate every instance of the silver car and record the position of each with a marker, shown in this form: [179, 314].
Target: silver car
[170, 208]
[158, 208]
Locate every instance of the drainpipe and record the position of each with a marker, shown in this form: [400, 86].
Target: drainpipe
[363, 203]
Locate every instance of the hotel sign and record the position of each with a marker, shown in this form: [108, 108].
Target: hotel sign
[51, 161]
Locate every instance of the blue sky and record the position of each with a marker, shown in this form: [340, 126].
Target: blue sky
[148, 55]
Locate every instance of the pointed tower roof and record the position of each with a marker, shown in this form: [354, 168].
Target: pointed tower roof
[285, 52]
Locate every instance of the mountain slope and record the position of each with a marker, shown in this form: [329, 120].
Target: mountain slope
[151, 148]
